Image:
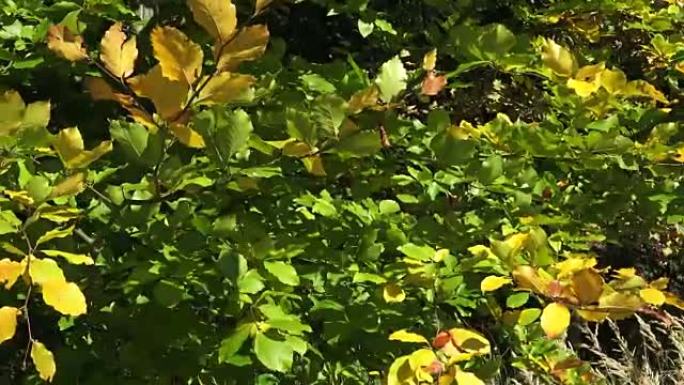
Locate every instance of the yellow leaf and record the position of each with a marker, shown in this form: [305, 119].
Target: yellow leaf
[673, 300]
[493, 282]
[59, 214]
[644, 88]
[65, 44]
[393, 293]
[614, 81]
[572, 265]
[69, 145]
[660, 283]
[314, 165]
[470, 341]
[45, 270]
[588, 286]
[406, 336]
[99, 89]
[179, 57]
[467, 378]
[582, 88]
[187, 135]
[10, 272]
[44, 361]
[558, 58]
[76, 259]
[217, 17]
[249, 44]
[168, 96]
[625, 273]
[363, 99]
[400, 372]
[8, 322]
[117, 54]
[619, 305]
[526, 277]
[555, 319]
[72, 185]
[652, 296]
[430, 60]
[421, 358]
[226, 87]
[680, 66]
[54, 234]
[592, 316]
[590, 73]
[65, 297]
[260, 5]
[12, 108]
[679, 155]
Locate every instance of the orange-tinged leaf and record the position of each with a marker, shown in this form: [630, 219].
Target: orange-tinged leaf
[405, 336]
[226, 87]
[65, 44]
[118, 54]
[470, 341]
[217, 17]
[368, 97]
[493, 282]
[43, 360]
[467, 378]
[652, 296]
[555, 319]
[8, 322]
[249, 44]
[433, 84]
[10, 272]
[168, 96]
[393, 293]
[587, 285]
[179, 57]
[187, 135]
[65, 297]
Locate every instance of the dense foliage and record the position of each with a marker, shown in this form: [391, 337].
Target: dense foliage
[333, 192]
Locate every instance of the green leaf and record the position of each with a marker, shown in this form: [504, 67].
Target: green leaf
[420, 253]
[232, 344]
[133, 137]
[54, 234]
[251, 282]
[9, 223]
[168, 293]
[225, 133]
[275, 355]
[284, 272]
[389, 206]
[392, 79]
[517, 300]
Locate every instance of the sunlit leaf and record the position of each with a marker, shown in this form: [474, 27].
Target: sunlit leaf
[555, 319]
[65, 297]
[587, 285]
[226, 87]
[72, 185]
[249, 44]
[64, 43]
[8, 322]
[558, 58]
[652, 296]
[470, 341]
[43, 360]
[493, 282]
[10, 271]
[76, 259]
[217, 17]
[393, 293]
[392, 78]
[54, 234]
[430, 60]
[117, 53]
[180, 59]
[168, 96]
[467, 378]
[405, 336]
[69, 145]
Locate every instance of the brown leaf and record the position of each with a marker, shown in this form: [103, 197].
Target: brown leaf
[65, 44]
[168, 96]
[179, 57]
[217, 17]
[433, 84]
[249, 44]
[226, 87]
[117, 54]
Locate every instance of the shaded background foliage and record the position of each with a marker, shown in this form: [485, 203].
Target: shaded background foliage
[173, 279]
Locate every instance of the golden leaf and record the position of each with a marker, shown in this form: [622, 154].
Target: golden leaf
[45, 270]
[467, 378]
[652, 296]
[430, 60]
[314, 165]
[8, 322]
[72, 185]
[65, 44]
[582, 88]
[572, 265]
[368, 97]
[400, 372]
[44, 361]
[249, 44]
[226, 87]
[393, 293]
[179, 57]
[168, 96]
[526, 277]
[65, 297]
[69, 145]
[493, 282]
[588, 286]
[614, 81]
[117, 54]
[217, 17]
[555, 319]
[75, 259]
[12, 109]
[406, 336]
[558, 58]
[644, 88]
[470, 341]
[592, 315]
[10, 272]
[187, 135]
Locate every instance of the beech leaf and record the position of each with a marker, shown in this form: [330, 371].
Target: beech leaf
[117, 53]
[179, 57]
